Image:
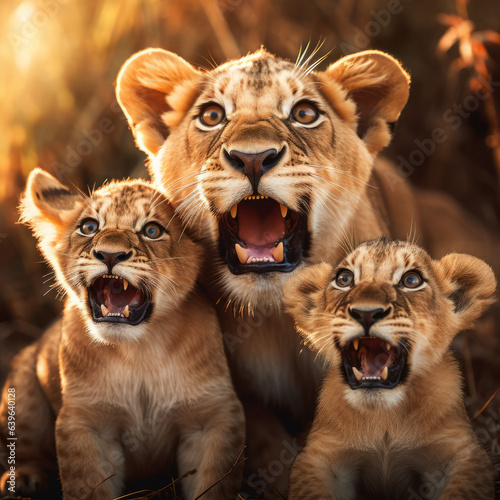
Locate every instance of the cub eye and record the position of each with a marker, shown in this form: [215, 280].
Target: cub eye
[212, 115]
[411, 279]
[344, 279]
[152, 230]
[305, 113]
[88, 227]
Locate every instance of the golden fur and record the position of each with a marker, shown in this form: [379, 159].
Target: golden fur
[325, 174]
[411, 441]
[129, 401]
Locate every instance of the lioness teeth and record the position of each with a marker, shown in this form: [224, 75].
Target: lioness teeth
[234, 211]
[357, 373]
[104, 310]
[125, 284]
[126, 312]
[355, 343]
[278, 253]
[388, 346]
[242, 253]
[284, 210]
[256, 197]
[385, 373]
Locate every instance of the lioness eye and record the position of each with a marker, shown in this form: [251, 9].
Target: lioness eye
[411, 280]
[88, 227]
[305, 113]
[152, 230]
[212, 115]
[344, 279]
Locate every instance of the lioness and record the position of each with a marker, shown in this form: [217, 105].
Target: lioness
[273, 164]
[391, 421]
[133, 379]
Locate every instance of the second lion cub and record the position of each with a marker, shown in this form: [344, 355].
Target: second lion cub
[133, 379]
[390, 422]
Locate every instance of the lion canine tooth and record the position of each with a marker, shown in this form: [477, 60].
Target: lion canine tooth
[278, 253]
[284, 210]
[388, 346]
[234, 211]
[357, 373]
[242, 253]
[125, 284]
[355, 343]
[385, 373]
[104, 311]
[126, 312]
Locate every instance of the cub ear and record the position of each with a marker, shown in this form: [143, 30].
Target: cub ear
[46, 199]
[379, 86]
[155, 88]
[472, 286]
[303, 292]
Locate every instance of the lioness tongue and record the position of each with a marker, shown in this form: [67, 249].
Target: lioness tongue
[260, 225]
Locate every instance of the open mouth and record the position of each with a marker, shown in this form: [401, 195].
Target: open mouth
[261, 235]
[113, 299]
[371, 362]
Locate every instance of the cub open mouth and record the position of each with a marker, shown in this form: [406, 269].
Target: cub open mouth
[371, 362]
[113, 299]
[261, 235]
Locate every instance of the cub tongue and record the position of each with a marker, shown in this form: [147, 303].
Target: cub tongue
[260, 224]
[116, 302]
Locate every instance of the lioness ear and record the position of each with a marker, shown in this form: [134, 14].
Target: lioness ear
[154, 89]
[302, 293]
[47, 200]
[379, 86]
[472, 286]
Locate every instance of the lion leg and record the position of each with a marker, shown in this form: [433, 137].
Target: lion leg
[271, 451]
[471, 475]
[26, 428]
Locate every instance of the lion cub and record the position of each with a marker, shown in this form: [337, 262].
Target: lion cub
[390, 423]
[133, 379]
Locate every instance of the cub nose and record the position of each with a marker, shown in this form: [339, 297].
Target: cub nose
[254, 165]
[367, 317]
[112, 258]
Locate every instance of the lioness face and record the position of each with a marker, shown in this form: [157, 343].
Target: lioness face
[271, 155]
[387, 313]
[117, 253]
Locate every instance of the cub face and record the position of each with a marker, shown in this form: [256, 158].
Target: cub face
[269, 153]
[120, 254]
[387, 314]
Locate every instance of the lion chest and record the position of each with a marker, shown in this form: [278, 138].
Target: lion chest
[391, 472]
[268, 361]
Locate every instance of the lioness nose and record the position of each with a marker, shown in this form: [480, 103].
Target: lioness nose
[367, 317]
[254, 165]
[112, 258]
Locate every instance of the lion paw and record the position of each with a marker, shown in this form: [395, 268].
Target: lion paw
[26, 480]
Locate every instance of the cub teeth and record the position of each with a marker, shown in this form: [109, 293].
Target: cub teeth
[104, 310]
[126, 312]
[278, 253]
[284, 210]
[385, 373]
[357, 373]
[234, 211]
[125, 284]
[242, 253]
[355, 343]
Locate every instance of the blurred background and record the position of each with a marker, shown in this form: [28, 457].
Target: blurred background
[59, 59]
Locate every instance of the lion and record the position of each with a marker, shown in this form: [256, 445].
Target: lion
[391, 421]
[133, 379]
[273, 164]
